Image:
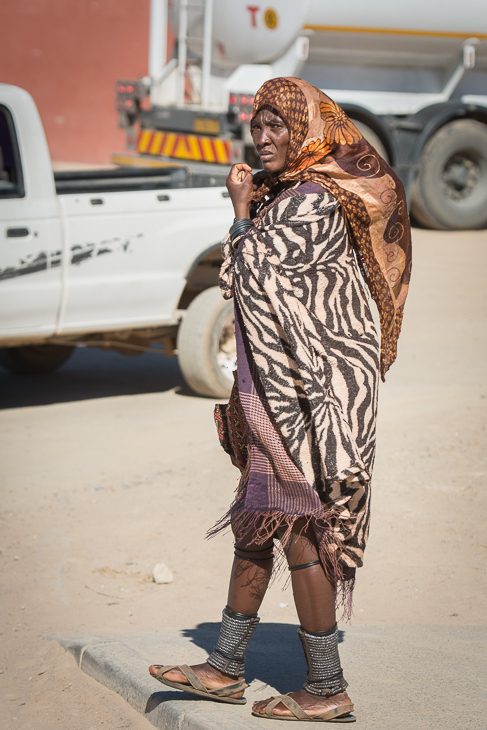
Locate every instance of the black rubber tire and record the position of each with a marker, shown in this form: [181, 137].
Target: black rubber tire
[207, 326]
[450, 189]
[35, 359]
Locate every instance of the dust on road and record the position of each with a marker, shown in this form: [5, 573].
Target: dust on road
[110, 466]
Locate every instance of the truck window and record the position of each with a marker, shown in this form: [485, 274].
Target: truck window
[11, 182]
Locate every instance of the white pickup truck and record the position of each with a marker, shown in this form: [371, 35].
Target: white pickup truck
[119, 259]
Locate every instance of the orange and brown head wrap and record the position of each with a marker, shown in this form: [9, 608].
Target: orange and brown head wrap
[327, 148]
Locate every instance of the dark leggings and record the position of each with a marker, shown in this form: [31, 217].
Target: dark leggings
[314, 595]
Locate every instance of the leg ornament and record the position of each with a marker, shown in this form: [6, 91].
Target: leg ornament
[325, 674]
[292, 568]
[266, 553]
[237, 629]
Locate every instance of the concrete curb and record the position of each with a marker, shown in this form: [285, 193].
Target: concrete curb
[401, 678]
[124, 670]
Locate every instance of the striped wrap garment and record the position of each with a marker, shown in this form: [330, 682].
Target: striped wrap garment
[311, 351]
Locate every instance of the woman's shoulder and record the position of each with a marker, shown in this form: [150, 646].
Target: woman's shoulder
[309, 187]
[300, 204]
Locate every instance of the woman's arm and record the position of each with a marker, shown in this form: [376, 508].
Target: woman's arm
[239, 185]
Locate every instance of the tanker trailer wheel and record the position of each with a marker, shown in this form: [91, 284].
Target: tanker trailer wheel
[206, 344]
[35, 359]
[450, 190]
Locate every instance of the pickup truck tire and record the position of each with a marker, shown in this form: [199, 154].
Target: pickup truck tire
[450, 189]
[206, 344]
[35, 359]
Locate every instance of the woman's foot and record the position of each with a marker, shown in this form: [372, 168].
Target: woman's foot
[212, 678]
[311, 704]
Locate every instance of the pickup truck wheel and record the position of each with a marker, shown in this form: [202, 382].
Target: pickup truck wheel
[206, 344]
[450, 190]
[34, 359]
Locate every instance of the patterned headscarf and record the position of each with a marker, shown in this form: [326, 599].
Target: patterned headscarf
[327, 148]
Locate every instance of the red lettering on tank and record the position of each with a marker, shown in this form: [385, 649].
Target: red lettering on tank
[253, 10]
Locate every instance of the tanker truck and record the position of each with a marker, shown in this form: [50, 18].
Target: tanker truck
[413, 78]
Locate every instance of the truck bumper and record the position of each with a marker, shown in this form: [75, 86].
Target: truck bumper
[189, 147]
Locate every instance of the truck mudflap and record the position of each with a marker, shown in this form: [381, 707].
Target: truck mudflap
[189, 147]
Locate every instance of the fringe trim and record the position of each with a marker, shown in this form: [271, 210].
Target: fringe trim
[263, 525]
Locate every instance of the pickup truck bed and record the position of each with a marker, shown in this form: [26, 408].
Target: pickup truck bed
[131, 179]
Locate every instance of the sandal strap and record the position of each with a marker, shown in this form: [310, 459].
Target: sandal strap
[298, 711]
[225, 691]
[288, 702]
[166, 668]
[196, 682]
[193, 678]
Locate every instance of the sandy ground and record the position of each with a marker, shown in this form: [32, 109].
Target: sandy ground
[111, 465]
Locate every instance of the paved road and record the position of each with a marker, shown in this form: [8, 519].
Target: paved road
[111, 465]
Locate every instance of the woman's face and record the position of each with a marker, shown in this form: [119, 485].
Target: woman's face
[271, 139]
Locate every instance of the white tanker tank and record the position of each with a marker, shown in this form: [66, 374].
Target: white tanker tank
[243, 32]
[413, 78]
[260, 32]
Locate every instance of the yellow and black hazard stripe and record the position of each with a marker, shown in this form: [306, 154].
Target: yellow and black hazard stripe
[185, 146]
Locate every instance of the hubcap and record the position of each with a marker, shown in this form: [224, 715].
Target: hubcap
[227, 348]
[460, 177]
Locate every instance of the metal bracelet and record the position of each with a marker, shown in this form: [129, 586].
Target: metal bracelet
[241, 226]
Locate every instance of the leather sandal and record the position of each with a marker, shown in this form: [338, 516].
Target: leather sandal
[336, 714]
[196, 686]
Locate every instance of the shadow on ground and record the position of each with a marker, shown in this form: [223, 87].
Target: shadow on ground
[275, 658]
[157, 698]
[93, 373]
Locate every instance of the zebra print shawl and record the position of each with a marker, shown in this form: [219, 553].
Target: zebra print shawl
[311, 405]
[327, 148]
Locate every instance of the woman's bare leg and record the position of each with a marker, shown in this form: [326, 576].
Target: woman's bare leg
[313, 593]
[314, 597]
[251, 571]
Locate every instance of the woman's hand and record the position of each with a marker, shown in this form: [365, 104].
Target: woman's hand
[239, 185]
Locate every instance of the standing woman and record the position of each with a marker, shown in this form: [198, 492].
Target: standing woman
[300, 423]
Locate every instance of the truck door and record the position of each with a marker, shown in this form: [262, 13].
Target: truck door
[30, 230]
[129, 253]
[114, 278]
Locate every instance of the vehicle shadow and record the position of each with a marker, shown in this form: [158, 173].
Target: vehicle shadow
[93, 373]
